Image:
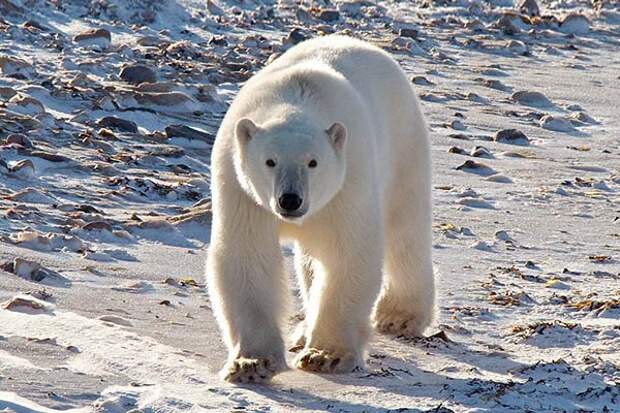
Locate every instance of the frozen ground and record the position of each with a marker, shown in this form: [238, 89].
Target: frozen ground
[104, 223]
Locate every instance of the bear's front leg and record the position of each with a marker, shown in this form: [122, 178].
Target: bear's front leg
[248, 292]
[341, 298]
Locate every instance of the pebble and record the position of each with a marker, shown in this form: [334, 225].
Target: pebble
[499, 178]
[122, 125]
[113, 319]
[529, 8]
[529, 98]
[19, 139]
[23, 169]
[138, 74]
[476, 167]
[26, 304]
[511, 136]
[25, 105]
[183, 131]
[556, 123]
[509, 23]
[575, 23]
[482, 246]
[328, 15]
[422, 81]
[150, 41]
[494, 84]
[295, 36]
[408, 32]
[503, 236]
[475, 203]
[27, 269]
[457, 125]
[96, 38]
[168, 102]
[518, 47]
[582, 117]
[457, 150]
[481, 152]
[14, 67]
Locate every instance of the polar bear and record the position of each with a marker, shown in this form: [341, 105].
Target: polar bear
[326, 147]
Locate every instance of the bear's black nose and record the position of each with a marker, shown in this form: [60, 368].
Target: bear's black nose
[290, 202]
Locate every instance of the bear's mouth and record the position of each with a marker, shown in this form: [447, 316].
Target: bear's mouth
[291, 214]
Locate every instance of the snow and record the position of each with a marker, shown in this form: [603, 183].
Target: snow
[526, 238]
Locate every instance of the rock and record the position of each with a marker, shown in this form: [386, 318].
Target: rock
[475, 203]
[556, 123]
[183, 48]
[112, 319]
[499, 178]
[107, 134]
[511, 136]
[117, 123]
[52, 157]
[474, 25]
[295, 36]
[529, 8]
[25, 105]
[152, 41]
[163, 87]
[98, 38]
[481, 152]
[14, 67]
[97, 226]
[518, 47]
[19, 139]
[9, 7]
[529, 98]
[509, 23]
[183, 131]
[27, 269]
[494, 84]
[422, 81]
[7, 92]
[138, 74]
[25, 304]
[575, 23]
[328, 15]
[170, 102]
[457, 150]
[23, 169]
[482, 246]
[582, 117]
[408, 32]
[476, 167]
[503, 236]
[457, 124]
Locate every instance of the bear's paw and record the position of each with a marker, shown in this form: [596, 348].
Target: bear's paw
[399, 324]
[324, 361]
[249, 370]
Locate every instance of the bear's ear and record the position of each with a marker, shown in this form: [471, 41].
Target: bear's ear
[337, 135]
[245, 130]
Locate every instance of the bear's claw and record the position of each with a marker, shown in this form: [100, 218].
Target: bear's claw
[398, 324]
[323, 361]
[249, 370]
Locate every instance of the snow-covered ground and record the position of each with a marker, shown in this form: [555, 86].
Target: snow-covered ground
[104, 222]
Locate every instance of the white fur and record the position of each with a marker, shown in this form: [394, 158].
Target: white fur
[368, 209]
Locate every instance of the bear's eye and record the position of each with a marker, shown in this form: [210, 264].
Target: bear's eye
[270, 163]
[312, 163]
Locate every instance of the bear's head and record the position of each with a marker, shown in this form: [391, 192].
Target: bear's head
[292, 168]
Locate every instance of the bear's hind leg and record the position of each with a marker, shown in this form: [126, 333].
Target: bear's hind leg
[407, 301]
